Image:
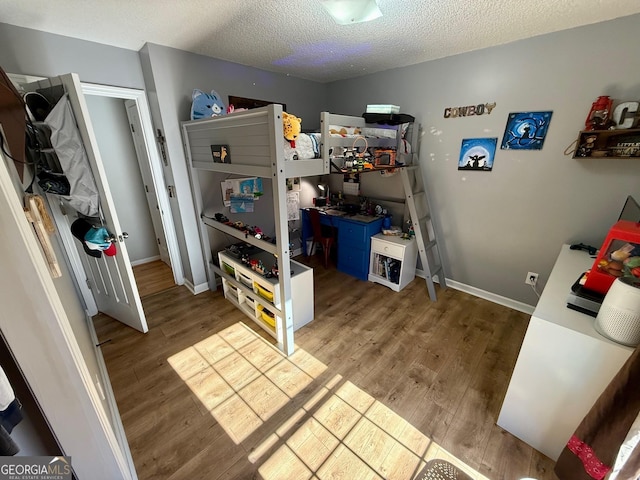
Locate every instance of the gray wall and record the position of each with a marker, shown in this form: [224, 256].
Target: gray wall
[495, 227]
[171, 76]
[32, 52]
[111, 126]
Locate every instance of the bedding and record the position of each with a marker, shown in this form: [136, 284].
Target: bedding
[308, 144]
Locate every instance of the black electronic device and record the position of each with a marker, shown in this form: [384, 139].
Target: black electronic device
[584, 300]
[351, 208]
[582, 246]
[238, 250]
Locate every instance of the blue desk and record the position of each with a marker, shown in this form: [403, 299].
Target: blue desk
[353, 239]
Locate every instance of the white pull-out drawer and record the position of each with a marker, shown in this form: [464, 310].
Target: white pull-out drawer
[387, 248]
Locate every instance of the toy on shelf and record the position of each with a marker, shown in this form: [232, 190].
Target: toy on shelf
[586, 147]
[232, 109]
[344, 131]
[254, 231]
[205, 105]
[600, 113]
[291, 128]
[412, 232]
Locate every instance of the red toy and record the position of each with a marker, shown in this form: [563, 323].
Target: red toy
[619, 256]
[599, 114]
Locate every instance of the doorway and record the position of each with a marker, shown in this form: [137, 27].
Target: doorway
[150, 168]
[122, 123]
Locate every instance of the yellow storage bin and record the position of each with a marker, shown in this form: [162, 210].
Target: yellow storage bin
[267, 317]
[263, 293]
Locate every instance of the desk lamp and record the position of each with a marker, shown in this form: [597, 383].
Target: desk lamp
[322, 200]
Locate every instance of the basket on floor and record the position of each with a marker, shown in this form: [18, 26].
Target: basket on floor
[441, 470]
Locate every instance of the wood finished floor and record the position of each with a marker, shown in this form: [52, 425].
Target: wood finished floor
[153, 277]
[443, 367]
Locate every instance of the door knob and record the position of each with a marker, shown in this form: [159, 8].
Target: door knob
[123, 236]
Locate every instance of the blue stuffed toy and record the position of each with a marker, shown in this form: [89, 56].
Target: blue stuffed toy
[206, 105]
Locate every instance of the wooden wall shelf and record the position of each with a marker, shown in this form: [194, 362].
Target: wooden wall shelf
[623, 143]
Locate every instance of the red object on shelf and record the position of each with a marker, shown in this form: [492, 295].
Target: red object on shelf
[623, 233]
[599, 114]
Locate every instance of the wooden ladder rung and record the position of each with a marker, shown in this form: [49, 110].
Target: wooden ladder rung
[436, 272]
[430, 245]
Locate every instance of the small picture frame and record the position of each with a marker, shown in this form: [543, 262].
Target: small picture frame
[477, 154]
[221, 153]
[526, 130]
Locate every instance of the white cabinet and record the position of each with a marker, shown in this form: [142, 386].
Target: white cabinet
[392, 261]
[259, 297]
[563, 365]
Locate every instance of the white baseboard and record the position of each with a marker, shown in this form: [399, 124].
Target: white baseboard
[492, 297]
[142, 261]
[196, 289]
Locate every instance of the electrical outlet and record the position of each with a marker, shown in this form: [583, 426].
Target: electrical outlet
[532, 279]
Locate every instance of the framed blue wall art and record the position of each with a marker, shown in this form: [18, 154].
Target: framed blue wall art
[477, 154]
[526, 130]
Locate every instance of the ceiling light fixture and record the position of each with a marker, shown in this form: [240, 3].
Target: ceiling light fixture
[345, 12]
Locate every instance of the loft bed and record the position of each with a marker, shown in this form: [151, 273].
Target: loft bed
[256, 147]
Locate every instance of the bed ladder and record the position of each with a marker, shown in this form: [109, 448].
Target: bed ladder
[420, 213]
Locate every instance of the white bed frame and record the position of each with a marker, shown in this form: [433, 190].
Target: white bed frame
[255, 141]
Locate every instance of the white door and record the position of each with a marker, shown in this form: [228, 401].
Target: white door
[149, 185]
[110, 278]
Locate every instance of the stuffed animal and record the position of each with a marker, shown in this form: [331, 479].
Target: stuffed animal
[344, 131]
[205, 105]
[232, 109]
[291, 127]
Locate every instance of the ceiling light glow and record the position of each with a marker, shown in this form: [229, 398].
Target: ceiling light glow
[345, 12]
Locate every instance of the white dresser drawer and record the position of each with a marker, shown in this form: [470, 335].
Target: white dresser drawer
[387, 248]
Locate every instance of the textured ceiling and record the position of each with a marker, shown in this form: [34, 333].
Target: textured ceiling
[297, 37]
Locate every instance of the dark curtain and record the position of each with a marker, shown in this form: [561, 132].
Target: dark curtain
[593, 448]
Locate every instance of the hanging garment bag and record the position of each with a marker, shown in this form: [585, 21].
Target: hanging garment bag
[66, 141]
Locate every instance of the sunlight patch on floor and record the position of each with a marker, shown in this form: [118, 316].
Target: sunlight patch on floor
[352, 435]
[242, 379]
[345, 432]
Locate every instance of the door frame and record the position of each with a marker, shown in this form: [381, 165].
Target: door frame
[151, 197]
[140, 97]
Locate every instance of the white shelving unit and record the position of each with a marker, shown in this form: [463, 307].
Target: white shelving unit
[259, 297]
[392, 261]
